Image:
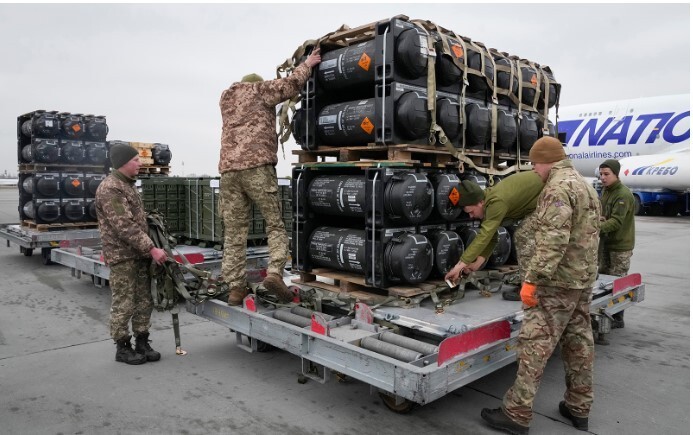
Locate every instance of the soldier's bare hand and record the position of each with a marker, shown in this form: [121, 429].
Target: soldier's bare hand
[314, 57]
[158, 255]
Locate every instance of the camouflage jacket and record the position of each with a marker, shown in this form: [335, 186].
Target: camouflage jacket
[567, 237]
[513, 198]
[122, 220]
[249, 130]
[618, 230]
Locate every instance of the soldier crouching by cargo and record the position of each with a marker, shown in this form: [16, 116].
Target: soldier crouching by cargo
[556, 294]
[247, 163]
[514, 197]
[128, 251]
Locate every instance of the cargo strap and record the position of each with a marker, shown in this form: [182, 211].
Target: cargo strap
[168, 282]
[287, 68]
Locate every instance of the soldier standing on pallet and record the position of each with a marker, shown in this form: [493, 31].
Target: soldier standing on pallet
[514, 197]
[247, 166]
[128, 251]
[556, 294]
[617, 226]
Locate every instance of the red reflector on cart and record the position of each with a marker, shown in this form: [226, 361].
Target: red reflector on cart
[627, 283]
[461, 343]
[193, 258]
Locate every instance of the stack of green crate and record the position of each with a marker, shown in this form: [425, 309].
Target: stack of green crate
[285, 202]
[162, 194]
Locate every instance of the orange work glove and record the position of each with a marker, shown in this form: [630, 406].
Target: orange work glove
[527, 294]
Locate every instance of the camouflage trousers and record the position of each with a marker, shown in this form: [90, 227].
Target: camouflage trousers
[614, 263]
[561, 317]
[523, 239]
[239, 189]
[131, 297]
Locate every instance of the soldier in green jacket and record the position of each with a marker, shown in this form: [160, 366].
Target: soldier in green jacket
[617, 229]
[556, 294]
[514, 197]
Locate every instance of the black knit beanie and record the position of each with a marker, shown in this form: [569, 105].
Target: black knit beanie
[471, 193]
[612, 164]
[121, 153]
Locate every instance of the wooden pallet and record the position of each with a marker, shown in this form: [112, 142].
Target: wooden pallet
[425, 155]
[160, 170]
[59, 226]
[355, 285]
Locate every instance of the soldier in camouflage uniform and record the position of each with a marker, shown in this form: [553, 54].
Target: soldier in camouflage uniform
[556, 294]
[617, 227]
[514, 197]
[247, 166]
[128, 251]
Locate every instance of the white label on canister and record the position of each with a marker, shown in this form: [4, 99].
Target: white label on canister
[214, 183]
[331, 63]
[49, 123]
[327, 119]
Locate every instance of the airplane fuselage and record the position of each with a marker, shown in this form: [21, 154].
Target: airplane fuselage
[626, 128]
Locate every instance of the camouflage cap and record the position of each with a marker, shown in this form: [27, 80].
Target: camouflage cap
[121, 153]
[251, 78]
[612, 164]
[471, 193]
[547, 149]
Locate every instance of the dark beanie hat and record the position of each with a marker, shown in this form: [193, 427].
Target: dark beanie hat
[612, 164]
[547, 149]
[251, 78]
[471, 193]
[121, 153]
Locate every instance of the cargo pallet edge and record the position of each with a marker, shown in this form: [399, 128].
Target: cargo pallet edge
[411, 354]
[29, 239]
[456, 344]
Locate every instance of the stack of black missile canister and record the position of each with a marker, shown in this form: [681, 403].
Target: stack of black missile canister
[393, 222]
[62, 159]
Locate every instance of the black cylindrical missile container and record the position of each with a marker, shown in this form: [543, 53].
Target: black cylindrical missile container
[408, 196]
[349, 66]
[501, 252]
[91, 183]
[447, 248]
[95, 128]
[43, 185]
[43, 124]
[351, 123]
[42, 211]
[161, 154]
[408, 258]
[71, 126]
[72, 152]
[446, 188]
[506, 131]
[529, 132]
[448, 114]
[338, 248]
[95, 153]
[91, 210]
[478, 125]
[338, 195]
[41, 151]
[72, 185]
[72, 210]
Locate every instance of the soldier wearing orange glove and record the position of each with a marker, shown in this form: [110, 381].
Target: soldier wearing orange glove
[556, 294]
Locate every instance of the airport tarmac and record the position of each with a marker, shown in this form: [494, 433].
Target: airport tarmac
[58, 374]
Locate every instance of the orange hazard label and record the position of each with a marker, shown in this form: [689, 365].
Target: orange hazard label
[365, 62]
[454, 196]
[367, 125]
[457, 49]
[75, 183]
[76, 128]
[534, 80]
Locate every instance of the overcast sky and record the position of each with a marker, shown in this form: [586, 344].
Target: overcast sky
[157, 71]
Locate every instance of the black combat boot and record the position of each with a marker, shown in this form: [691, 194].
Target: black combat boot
[580, 423]
[142, 346]
[126, 354]
[512, 294]
[497, 419]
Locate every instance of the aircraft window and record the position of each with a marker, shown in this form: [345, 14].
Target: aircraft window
[600, 113]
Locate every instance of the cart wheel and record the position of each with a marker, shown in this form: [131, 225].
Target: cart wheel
[391, 403]
[263, 347]
[46, 256]
[28, 252]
